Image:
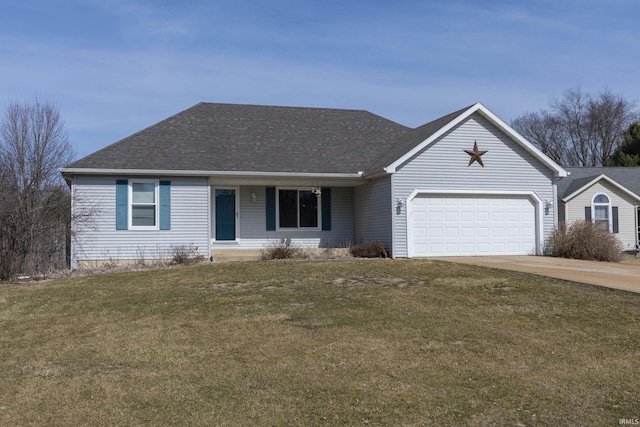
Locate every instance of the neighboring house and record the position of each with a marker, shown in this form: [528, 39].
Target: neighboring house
[609, 195]
[225, 178]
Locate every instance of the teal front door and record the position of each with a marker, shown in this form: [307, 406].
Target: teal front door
[225, 200]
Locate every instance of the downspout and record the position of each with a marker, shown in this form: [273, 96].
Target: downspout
[393, 218]
[556, 205]
[209, 221]
[73, 264]
[637, 218]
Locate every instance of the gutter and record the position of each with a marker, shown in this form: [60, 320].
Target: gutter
[164, 172]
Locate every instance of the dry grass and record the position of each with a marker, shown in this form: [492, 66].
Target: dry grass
[630, 259]
[352, 342]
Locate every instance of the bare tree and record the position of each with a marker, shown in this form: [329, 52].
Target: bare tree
[35, 209]
[579, 129]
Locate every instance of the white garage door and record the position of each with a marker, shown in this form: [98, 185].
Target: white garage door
[459, 225]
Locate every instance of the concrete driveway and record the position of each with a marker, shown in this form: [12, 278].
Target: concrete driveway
[609, 274]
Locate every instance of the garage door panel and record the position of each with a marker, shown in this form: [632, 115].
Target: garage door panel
[435, 232]
[435, 216]
[461, 225]
[498, 232]
[467, 232]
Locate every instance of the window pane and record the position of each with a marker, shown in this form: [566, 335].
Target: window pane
[288, 208]
[308, 209]
[143, 215]
[601, 213]
[601, 198]
[144, 192]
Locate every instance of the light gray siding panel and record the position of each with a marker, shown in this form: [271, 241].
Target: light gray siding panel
[96, 237]
[252, 227]
[445, 166]
[626, 210]
[374, 213]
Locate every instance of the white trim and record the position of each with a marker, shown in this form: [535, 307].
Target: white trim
[213, 212]
[608, 205]
[94, 171]
[556, 211]
[484, 111]
[209, 222]
[530, 194]
[392, 204]
[74, 231]
[637, 216]
[595, 180]
[298, 229]
[156, 205]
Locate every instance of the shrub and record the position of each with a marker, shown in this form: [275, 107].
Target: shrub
[369, 250]
[281, 249]
[584, 240]
[185, 255]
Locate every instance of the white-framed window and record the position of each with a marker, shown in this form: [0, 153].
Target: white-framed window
[601, 208]
[143, 197]
[298, 209]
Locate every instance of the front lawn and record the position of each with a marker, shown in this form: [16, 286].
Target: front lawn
[350, 342]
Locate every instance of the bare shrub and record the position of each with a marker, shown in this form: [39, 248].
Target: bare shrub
[281, 249]
[369, 250]
[185, 254]
[584, 240]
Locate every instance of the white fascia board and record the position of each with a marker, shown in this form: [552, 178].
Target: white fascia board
[163, 172]
[495, 120]
[602, 177]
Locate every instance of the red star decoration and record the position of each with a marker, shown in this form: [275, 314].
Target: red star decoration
[475, 154]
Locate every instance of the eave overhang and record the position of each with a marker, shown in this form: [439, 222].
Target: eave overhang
[237, 177]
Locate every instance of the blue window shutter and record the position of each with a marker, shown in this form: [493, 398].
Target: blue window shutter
[165, 205]
[326, 208]
[614, 214]
[271, 208]
[122, 204]
[587, 213]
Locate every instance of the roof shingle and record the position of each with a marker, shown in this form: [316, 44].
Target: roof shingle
[252, 138]
[628, 177]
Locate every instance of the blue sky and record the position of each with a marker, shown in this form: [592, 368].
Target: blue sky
[114, 67]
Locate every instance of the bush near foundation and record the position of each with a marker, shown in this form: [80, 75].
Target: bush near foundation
[281, 249]
[369, 250]
[584, 240]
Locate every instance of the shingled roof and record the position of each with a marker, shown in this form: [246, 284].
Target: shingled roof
[253, 138]
[628, 177]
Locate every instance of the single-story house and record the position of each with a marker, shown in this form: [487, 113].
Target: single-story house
[225, 178]
[609, 195]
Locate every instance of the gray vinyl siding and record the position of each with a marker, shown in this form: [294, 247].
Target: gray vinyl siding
[626, 210]
[374, 213]
[253, 232]
[445, 166]
[96, 237]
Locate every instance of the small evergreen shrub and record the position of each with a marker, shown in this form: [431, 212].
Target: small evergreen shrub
[584, 240]
[369, 250]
